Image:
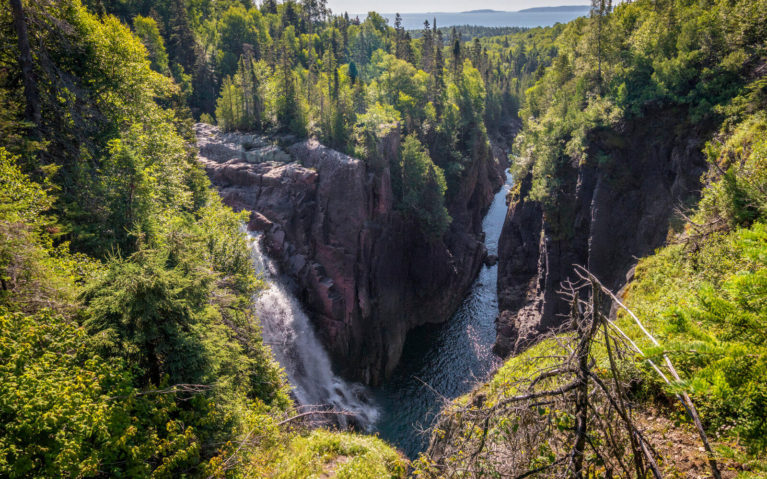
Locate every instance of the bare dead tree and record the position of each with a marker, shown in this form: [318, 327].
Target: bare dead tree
[183, 392]
[567, 412]
[683, 396]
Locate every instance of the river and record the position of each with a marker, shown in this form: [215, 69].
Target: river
[441, 362]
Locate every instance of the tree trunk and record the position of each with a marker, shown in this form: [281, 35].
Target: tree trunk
[32, 110]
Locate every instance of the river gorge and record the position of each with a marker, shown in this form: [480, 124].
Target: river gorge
[370, 317]
[439, 361]
[365, 314]
[443, 361]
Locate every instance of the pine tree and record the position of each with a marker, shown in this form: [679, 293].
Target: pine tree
[204, 85]
[250, 84]
[290, 16]
[408, 49]
[314, 12]
[353, 72]
[457, 55]
[438, 77]
[476, 54]
[32, 112]
[269, 6]
[181, 42]
[288, 107]
[427, 48]
[401, 40]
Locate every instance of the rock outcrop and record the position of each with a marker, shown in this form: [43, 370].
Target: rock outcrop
[365, 274]
[610, 214]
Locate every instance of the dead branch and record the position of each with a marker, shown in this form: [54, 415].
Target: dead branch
[312, 413]
[689, 406]
[562, 408]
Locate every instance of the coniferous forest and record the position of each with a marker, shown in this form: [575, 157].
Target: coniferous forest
[632, 264]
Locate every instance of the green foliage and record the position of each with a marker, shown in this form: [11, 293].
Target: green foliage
[238, 28]
[738, 198]
[96, 348]
[242, 104]
[152, 316]
[510, 64]
[54, 413]
[21, 200]
[470, 32]
[709, 309]
[704, 296]
[342, 455]
[710, 302]
[286, 68]
[100, 108]
[642, 56]
[335, 79]
[33, 273]
[421, 186]
[371, 128]
[147, 30]
[67, 412]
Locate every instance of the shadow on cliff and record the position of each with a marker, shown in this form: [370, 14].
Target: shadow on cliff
[616, 207]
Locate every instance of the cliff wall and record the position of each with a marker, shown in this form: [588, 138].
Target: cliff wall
[613, 209]
[365, 273]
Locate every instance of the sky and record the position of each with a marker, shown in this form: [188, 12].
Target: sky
[421, 6]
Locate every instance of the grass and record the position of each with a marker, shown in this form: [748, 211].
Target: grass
[324, 454]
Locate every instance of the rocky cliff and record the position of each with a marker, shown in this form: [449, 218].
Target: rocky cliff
[365, 274]
[613, 209]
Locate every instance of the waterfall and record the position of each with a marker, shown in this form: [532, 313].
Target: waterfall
[287, 329]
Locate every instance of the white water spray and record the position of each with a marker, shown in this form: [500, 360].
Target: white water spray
[287, 329]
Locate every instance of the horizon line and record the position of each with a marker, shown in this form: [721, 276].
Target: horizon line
[466, 12]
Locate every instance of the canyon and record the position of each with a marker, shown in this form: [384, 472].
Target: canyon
[366, 274]
[363, 271]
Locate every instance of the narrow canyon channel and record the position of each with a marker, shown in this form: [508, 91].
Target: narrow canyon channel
[443, 361]
[440, 362]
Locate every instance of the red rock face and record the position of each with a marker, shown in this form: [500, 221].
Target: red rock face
[364, 273]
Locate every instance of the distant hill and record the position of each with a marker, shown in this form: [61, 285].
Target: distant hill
[528, 18]
[563, 8]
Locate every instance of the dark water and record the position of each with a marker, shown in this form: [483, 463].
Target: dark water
[529, 19]
[445, 360]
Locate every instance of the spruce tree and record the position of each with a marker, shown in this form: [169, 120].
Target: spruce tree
[427, 48]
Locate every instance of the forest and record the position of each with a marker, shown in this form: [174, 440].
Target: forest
[129, 344]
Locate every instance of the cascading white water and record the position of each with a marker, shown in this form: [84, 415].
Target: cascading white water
[286, 328]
